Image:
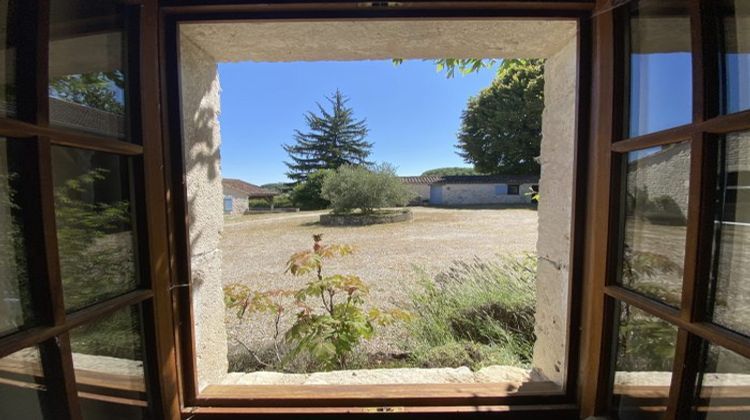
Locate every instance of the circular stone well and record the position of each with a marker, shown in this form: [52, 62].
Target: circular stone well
[358, 219]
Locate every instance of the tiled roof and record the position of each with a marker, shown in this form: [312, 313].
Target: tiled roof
[472, 179]
[85, 118]
[248, 188]
[421, 179]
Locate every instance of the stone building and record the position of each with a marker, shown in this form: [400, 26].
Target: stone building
[472, 189]
[237, 194]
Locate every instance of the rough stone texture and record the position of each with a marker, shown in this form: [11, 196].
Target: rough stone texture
[200, 105]
[392, 376]
[462, 375]
[240, 201]
[380, 40]
[468, 194]
[656, 378]
[555, 210]
[265, 378]
[664, 172]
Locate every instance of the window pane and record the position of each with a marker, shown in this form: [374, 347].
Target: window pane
[87, 66]
[729, 299]
[736, 22]
[656, 198]
[643, 364]
[660, 66]
[22, 388]
[724, 386]
[7, 58]
[94, 225]
[108, 362]
[15, 300]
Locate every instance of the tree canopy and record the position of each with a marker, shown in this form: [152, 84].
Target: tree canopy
[334, 139]
[501, 128]
[364, 188]
[97, 90]
[450, 171]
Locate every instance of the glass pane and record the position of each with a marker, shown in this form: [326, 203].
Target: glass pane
[729, 297]
[656, 198]
[7, 58]
[22, 389]
[94, 225]
[660, 66]
[108, 362]
[15, 301]
[87, 66]
[736, 22]
[643, 364]
[724, 386]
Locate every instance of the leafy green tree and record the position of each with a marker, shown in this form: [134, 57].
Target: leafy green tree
[96, 90]
[334, 139]
[307, 194]
[501, 129]
[453, 171]
[366, 189]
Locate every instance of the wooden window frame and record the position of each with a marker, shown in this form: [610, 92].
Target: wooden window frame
[608, 147]
[228, 400]
[31, 126]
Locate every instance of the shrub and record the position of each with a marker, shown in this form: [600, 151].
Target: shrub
[476, 313]
[307, 195]
[283, 201]
[366, 189]
[258, 203]
[331, 319]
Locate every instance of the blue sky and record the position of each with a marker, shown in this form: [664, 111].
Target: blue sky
[412, 111]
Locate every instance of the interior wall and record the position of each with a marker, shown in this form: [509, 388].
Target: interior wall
[201, 139]
[555, 212]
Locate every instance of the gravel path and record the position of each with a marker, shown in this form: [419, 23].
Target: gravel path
[256, 248]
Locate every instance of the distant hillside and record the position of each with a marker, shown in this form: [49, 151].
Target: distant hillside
[277, 186]
[450, 171]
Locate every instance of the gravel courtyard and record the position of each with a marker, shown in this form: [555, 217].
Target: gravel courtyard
[387, 257]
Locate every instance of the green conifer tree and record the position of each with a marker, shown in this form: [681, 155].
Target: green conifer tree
[334, 139]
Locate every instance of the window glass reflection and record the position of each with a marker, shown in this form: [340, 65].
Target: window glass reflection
[729, 297]
[94, 225]
[643, 364]
[660, 66]
[108, 362]
[87, 66]
[655, 224]
[723, 386]
[15, 297]
[736, 30]
[22, 386]
[7, 58]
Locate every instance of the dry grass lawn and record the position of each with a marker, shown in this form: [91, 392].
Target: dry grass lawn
[256, 248]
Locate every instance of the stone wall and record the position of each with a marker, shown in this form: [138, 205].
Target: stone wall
[240, 204]
[555, 212]
[421, 192]
[468, 194]
[201, 139]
